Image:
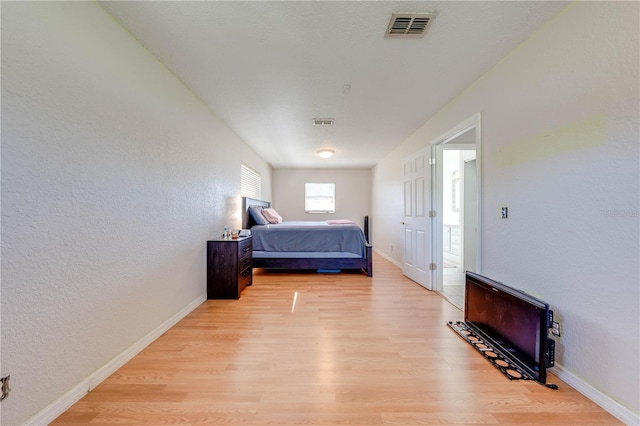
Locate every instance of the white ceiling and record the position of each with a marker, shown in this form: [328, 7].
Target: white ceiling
[267, 68]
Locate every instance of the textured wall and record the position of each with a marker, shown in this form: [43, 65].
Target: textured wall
[113, 177]
[353, 193]
[560, 148]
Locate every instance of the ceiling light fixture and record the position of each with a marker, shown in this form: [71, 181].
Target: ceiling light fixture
[325, 153]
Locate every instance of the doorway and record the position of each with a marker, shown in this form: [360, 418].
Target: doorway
[456, 183]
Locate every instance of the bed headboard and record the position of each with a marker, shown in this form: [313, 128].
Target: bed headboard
[247, 220]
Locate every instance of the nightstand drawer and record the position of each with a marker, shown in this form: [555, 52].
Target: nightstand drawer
[245, 278]
[245, 262]
[244, 248]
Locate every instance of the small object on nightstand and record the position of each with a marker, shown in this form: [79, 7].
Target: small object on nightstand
[228, 267]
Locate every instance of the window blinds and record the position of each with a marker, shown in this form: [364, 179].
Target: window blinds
[250, 182]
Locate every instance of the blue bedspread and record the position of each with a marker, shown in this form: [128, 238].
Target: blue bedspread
[316, 236]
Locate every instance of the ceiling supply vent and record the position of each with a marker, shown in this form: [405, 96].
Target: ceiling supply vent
[322, 121]
[409, 25]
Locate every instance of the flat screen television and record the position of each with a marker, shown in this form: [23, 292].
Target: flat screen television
[514, 322]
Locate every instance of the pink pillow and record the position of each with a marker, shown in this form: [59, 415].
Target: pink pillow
[272, 215]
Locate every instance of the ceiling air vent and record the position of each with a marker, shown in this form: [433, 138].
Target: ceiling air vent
[322, 121]
[409, 25]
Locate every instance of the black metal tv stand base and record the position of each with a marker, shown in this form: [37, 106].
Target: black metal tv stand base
[493, 355]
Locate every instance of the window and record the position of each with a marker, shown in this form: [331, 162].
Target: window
[250, 182]
[320, 197]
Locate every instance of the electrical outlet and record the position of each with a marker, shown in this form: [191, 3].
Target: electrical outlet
[555, 328]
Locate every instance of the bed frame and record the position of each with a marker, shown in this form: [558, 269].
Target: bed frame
[365, 264]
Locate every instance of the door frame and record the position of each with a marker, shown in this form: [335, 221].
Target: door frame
[473, 122]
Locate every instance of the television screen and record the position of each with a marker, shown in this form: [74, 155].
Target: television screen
[514, 321]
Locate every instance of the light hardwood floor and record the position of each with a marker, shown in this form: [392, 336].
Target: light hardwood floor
[351, 350]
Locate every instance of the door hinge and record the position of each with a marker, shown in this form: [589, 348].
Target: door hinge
[5, 387]
[433, 266]
[432, 213]
[432, 161]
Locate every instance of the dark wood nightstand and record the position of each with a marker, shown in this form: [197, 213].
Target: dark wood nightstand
[228, 267]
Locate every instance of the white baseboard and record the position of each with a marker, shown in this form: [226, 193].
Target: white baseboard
[395, 262]
[56, 408]
[611, 406]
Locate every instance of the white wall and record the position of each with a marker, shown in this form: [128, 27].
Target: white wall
[560, 139]
[353, 193]
[113, 177]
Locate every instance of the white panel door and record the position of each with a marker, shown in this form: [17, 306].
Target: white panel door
[416, 254]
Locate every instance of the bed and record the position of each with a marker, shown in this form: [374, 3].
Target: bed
[321, 245]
